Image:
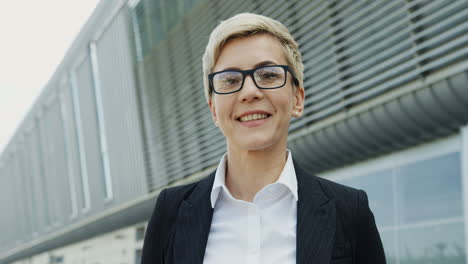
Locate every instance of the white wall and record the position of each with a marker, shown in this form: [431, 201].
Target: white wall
[117, 247]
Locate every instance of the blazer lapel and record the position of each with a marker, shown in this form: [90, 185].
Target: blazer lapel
[193, 224]
[316, 221]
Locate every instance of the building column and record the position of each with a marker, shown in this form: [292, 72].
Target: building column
[464, 176]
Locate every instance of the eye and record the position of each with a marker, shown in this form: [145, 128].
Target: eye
[227, 80]
[231, 81]
[268, 75]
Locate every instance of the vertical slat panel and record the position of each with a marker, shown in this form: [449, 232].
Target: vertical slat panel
[120, 110]
[196, 40]
[24, 188]
[83, 174]
[185, 76]
[90, 133]
[40, 194]
[72, 150]
[30, 177]
[61, 167]
[9, 203]
[4, 197]
[50, 175]
[20, 201]
[149, 96]
[41, 145]
[171, 111]
[56, 162]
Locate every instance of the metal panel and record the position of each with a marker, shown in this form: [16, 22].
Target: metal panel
[70, 145]
[40, 194]
[21, 206]
[170, 115]
[55, 162]
[43, 163]
[148, 96]
[9, 203]
[102, 136]
[120, 116]
[415, 117]
[90, 133]
[110, 220]
[31, 189]
[197, 120]
[83, 182]
[4, 196]
[23, 188]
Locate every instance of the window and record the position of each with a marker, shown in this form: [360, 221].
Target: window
[138, 254]
[417, 200]
[140, 233]
[56, 259]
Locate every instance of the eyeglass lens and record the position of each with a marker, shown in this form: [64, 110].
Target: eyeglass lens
[265, 77]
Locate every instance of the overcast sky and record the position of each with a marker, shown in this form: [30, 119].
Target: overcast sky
[34, 36]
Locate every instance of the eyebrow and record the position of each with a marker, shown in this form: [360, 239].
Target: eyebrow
[257, 65]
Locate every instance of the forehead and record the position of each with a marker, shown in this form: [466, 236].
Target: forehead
[246, 52]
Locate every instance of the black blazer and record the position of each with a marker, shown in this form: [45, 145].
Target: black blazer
[334, 224]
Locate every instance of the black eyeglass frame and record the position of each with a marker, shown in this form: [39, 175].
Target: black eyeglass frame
[250, 73]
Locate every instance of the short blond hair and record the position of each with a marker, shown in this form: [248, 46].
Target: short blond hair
[244, 25]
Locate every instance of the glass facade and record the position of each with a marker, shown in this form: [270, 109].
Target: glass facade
[418, 209]
[155, 18]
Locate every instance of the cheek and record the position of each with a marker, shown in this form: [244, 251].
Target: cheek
[222, 109]
[285, 103]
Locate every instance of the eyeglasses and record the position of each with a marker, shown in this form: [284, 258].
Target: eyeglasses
[265, 77]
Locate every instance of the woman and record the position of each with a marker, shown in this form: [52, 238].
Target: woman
[259, 206]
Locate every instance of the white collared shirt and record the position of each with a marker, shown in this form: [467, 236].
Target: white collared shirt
[262, 231]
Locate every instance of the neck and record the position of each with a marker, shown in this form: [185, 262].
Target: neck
[247, 172]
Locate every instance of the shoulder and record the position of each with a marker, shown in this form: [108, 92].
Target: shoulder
[167, 204]
[345, 197]
[162, 222]
[350, 203]
[174, 195]
[348, 200]
[352, 206]
[336, 190]
[170, 198]
[339, 192]
[355, 221]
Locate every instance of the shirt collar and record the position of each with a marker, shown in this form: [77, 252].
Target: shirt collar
[287, 178]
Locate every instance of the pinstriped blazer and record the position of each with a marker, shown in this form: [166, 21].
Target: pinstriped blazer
[334, 224]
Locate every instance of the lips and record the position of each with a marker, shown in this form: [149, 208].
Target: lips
[252, 116]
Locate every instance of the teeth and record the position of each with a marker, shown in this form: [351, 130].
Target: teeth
[253, 117]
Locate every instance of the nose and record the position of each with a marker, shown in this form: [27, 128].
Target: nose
[250, 92]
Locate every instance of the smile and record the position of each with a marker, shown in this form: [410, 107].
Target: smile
[253, 117]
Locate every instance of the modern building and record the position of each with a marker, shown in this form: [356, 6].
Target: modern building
[124, 116]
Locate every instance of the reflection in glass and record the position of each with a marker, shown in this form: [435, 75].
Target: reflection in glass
[379, 189]
[388, 241]
[418, 209]
[438, 244]
[430, 190]
[153, 19]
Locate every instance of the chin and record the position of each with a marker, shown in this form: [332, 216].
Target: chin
[256, 144]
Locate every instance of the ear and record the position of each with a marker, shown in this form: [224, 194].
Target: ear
[213, 110]
[298, 102]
